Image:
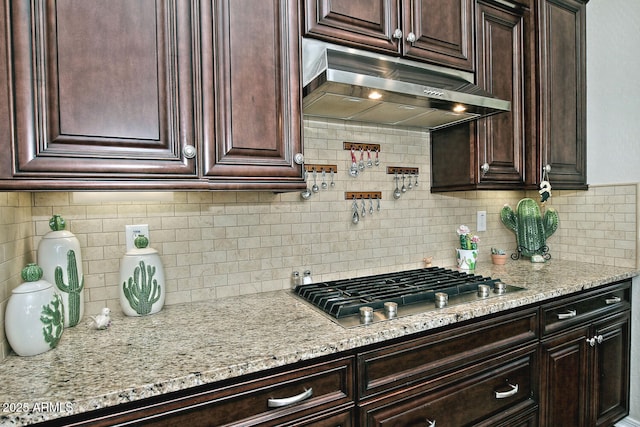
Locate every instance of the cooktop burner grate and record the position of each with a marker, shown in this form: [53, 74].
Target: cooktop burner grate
[343, 298]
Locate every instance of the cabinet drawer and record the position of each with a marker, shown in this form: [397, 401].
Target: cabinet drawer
[584, 307]
[432, 356]
[314, 395]
[265, 400]
[504, 387]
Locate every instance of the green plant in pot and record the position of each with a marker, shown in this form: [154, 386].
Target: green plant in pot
[498, 256]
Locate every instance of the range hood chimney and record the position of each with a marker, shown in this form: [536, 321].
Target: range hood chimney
[350, 84]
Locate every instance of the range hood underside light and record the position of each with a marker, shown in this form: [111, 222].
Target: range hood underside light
[334, 106]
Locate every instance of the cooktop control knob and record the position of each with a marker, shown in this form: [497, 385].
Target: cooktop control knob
[483, 291]
[391, 310]
[366, 314]
[441, 299]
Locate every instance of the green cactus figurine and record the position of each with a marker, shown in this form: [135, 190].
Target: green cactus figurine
[57, 223]
[53, 321]
[142, 290]
[74, 287]
[531, 229]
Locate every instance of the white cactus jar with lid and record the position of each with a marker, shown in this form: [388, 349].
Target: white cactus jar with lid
[142, 284]
[34, 320]
[61, 261]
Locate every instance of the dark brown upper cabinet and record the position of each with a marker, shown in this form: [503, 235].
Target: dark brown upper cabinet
[437, 31]
[139, 94]
[561, 41]
[493, 153]
[251, 93]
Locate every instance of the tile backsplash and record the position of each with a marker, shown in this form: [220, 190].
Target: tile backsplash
[219, 244]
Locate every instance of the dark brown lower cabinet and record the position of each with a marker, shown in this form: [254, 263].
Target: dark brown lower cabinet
[318, 394]
[585, 359]
[490, 393]
[482, 372]
[564, 362]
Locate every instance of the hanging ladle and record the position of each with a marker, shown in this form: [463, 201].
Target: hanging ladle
[353, 170]
[315, 187]
[404, 189]
[324, 180]
[396, 193]
[355, 218]
[306, 193]
[361, 163]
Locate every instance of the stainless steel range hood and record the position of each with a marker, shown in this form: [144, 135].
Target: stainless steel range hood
[350, 84]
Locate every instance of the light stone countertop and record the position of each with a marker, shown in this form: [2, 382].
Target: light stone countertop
[187, 345]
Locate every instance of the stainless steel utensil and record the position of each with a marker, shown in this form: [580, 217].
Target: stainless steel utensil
[355, 218]
[333, 184]
[306, 193]
[353, 170]
[315, 187]
[396, 193]
[324, 180]
[404, 189]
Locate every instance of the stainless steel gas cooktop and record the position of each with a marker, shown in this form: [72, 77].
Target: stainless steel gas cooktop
[365, 300]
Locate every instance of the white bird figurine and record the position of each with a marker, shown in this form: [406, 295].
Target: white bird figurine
[102, 320]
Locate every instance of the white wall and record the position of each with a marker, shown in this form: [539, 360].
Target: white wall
[613, 91]
[613, 122]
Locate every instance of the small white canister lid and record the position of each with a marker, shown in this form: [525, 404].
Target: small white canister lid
[32, 275]
[141, 243]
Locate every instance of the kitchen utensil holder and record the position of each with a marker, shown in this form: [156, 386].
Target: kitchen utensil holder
[373, 195]
[320, 168]
[392, 170]
[358, 146]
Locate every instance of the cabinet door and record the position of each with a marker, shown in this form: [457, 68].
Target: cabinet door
[366, 24]
[564, 379]
[501, 71]
[440, 31]
[100, 89]
[251, 94]
[562, 77]
[610, 389]
[505, 56]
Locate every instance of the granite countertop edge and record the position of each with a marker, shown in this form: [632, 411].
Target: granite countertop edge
[191, 344]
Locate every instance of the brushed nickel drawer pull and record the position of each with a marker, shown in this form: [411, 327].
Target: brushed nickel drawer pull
[505, 394]
[567, 315]
[612, 300]
[286, 401]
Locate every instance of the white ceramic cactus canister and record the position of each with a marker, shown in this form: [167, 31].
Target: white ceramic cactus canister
[142, 285]
[60, 257]
[34, 319]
